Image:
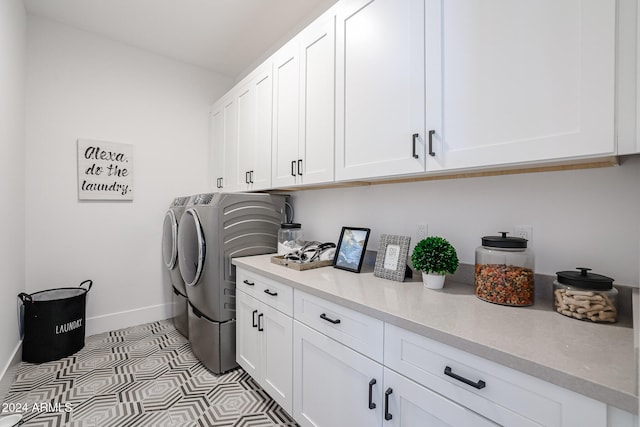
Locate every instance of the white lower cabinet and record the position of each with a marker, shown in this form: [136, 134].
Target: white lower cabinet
[331, 366]
[264, 347]
[331, 383]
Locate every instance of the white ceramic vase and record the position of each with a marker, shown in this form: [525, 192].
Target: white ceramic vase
[433, 281]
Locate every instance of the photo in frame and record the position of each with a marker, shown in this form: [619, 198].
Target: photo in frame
[391, 261]
[351, 248]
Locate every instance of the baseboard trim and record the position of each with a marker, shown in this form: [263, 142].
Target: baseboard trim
[125, 319]
[9, 370]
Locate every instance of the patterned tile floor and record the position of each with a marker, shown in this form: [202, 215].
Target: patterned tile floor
[143, 376]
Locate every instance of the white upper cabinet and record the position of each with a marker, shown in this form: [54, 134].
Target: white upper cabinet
[627, 77]
[519, 81]
[286, 99]
[216, 146]
[390, 88]
[230, 131]
[317, 100]
[254, 130]
[241, 135]
[380, 88]
[303, 106]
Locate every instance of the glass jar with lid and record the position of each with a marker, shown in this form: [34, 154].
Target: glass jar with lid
[290, 237]
[504, 271]
[585, 296]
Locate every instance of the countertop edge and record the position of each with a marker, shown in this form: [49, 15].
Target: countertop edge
[610, 396]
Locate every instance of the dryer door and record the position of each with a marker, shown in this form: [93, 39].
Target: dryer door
[170, 240]
[191, 247]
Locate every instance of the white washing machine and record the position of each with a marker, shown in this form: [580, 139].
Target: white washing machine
[214, 229]
[171, 261]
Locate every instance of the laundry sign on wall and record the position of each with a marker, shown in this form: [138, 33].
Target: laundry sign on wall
[105, 170]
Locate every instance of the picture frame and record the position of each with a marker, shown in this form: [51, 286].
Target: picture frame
[391, 261]
[351, 248]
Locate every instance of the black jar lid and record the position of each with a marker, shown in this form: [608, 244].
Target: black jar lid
[290, 225]
[584, 279]
[504, 241]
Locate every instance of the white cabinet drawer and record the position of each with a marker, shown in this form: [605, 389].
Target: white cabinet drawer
[507, 397]
[356, 330]
[270, 292]
[408, 404]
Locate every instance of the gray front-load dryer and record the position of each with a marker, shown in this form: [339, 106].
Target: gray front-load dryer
[171, 261]
[214, 229]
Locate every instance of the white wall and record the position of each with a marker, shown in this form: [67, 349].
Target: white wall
[84, 86]
[13, 27]
[580, 218]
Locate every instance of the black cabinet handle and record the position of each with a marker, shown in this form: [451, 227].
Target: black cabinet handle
[415, 137]
[371, 384]
[479, 385]
[387, 414]
[260, 328]
[250, 177]
[246, 177]
[248, 283]
[431, 152]
[219, 182]
[299, 166]
[293, 165]
[268, 292]
[255, 325]
[323, 316]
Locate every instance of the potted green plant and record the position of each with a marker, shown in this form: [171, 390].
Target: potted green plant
[435, 257]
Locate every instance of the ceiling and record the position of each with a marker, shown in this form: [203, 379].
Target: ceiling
[224, 36]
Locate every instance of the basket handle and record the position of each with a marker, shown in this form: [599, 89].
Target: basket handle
[87, 281]
[25, 297]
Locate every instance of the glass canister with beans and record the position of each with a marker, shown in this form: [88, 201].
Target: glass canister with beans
[504, 271]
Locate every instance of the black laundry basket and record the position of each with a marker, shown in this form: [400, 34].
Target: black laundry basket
[54, 323]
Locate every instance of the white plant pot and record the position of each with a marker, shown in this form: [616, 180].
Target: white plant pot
[433, 281]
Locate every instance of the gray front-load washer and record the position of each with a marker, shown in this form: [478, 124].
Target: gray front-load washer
[214, 229]
[171, 261]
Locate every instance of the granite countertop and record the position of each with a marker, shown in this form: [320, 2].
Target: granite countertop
[596, 360]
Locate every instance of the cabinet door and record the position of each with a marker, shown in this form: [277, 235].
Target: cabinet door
[317, 100]
[254, 101]
[260, 177]
[331, 382]
[277, 356]
[411, 405]
[246, 102]
[216, 147]
[286, 96]
[230, 124]
[519, 81]
[380, 88]
[248, 346]
[247, 338]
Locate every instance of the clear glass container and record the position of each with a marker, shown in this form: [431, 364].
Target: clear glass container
[585, 296]
[290, 237]
[504, 271]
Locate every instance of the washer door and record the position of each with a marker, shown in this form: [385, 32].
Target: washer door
[191, 247]
[170, 240]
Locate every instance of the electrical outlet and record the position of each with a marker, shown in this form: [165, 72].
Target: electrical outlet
[524, 231]
[422, 230]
